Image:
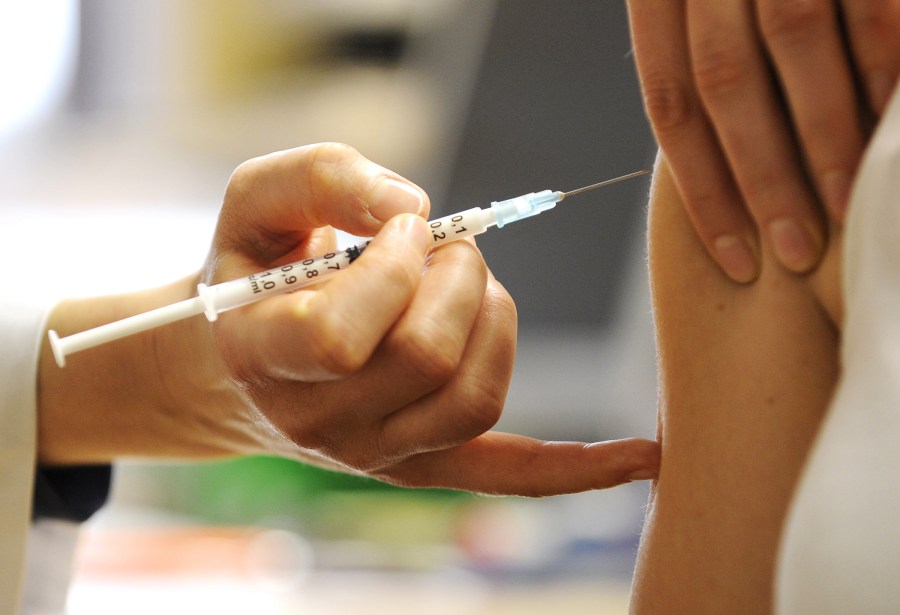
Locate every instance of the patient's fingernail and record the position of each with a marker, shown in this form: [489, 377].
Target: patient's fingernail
[390, 197]
[793, 244]
[836, 191]
[736, 258]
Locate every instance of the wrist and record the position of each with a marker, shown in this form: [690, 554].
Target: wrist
[132, 397]
[199, 410]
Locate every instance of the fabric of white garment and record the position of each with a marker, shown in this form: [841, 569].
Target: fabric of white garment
[840, 550]
[20, 330]
[48, 566]
[47, 546]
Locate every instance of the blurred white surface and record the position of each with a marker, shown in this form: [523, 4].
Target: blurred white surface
[37, 54]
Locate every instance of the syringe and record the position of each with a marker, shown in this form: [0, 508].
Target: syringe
[212, 300]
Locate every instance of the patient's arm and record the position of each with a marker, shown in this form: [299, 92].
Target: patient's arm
[746, 374]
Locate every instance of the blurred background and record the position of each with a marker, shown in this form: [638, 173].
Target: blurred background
[120, 124]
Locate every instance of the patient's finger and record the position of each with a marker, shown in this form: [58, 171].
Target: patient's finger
[807, 49]
[753, 126]
[874, 30]
[685, 134]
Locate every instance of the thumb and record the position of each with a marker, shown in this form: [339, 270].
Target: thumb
[281, 197]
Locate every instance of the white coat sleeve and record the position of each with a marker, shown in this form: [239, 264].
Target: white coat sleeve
[21, 328]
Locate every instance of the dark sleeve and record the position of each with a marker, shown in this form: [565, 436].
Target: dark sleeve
[73, 493]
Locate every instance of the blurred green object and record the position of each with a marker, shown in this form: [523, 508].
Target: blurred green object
[277, 491]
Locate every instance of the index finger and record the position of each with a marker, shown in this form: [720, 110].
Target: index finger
[506, 464]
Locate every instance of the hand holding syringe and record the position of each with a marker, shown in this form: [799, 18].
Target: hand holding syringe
[212, 300]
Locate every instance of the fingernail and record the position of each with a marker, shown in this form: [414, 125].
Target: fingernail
[836, 191]
[390, 197]
[881, 87]
[736, 258]
[793, 244]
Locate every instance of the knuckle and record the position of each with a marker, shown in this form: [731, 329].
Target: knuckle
[670, 104]
[333, 345]
[767, 192]
[478, 403]
[398, 272]
[719, 66]
[500, 304]
[702, 204]
[317, 432]
[882, 17]
[479, 410]
[876, 20]
[826, 144]
[466, 256]
[331, 153]
[431, 352]
[328, 168]
[242, 180]
[786, 21]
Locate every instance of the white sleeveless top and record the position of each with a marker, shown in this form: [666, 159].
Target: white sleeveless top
[840, 549]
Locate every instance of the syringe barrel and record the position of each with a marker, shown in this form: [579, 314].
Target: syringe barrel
[460, 225]
[276, 281]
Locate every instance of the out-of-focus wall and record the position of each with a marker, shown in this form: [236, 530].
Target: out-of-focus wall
[168, 97]
[157, 102]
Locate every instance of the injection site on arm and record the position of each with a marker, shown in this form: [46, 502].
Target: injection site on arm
[213, 300]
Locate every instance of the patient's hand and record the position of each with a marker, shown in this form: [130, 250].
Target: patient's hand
[760, 107]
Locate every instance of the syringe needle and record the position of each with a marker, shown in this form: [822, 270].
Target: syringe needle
[607, 182]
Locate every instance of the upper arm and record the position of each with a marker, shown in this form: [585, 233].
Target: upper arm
[746, 373]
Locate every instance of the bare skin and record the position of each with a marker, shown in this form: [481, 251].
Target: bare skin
[747, 372]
